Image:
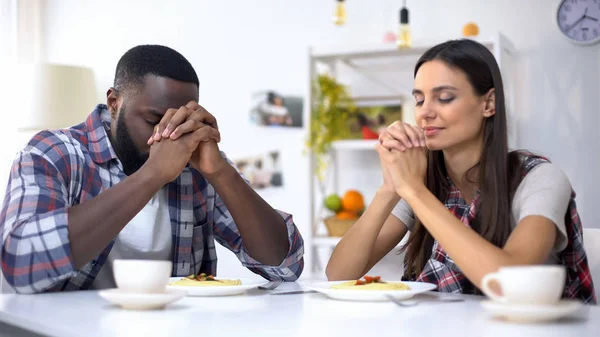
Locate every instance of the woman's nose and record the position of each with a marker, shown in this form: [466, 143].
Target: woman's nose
[425, 111]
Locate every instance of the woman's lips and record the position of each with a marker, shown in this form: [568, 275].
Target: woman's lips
[431, 131]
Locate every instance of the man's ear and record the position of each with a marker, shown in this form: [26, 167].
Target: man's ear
[112, 101]
[489, 108]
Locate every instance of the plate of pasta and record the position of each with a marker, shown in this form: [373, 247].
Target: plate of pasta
[208, 285]
[370, 288]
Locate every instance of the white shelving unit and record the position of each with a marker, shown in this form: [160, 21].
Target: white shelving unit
[331, 242]
[379, 74]
[353, 144]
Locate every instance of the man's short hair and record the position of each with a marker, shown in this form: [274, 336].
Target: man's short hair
[155, 60]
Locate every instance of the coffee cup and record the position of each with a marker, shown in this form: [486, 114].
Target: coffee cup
[525, 284]
[142, 276]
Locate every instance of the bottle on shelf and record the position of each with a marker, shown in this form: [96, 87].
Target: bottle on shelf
[404, 40]
[339, 16]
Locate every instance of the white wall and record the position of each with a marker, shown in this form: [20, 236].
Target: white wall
[7, 31]
[238, 47]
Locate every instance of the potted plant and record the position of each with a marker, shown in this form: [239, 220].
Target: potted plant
[330, 110]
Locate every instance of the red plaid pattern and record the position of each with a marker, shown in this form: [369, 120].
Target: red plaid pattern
[442, 271]
[62, 168]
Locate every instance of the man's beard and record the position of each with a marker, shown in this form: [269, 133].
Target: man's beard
[125, 148]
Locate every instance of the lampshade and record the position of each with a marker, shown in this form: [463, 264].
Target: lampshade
[52, 96]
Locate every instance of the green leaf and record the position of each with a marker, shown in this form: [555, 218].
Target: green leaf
[330, 111]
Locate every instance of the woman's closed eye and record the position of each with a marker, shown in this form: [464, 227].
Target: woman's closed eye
[446, 100]
[419, 100]
[442, 100]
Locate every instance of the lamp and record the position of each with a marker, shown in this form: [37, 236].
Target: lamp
[52, 96]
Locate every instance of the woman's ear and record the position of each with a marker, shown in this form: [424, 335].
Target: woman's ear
[489, 108]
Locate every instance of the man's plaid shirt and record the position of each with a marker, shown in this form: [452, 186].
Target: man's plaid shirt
[62, 168]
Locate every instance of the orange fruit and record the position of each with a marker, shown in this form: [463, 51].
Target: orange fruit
[345, 215]
[470, 29]
[353, 201]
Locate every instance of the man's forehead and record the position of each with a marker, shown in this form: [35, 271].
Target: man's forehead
[164, 92]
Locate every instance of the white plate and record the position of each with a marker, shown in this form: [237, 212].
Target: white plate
[140, 301]
[218, 291]
[530, 312]
[370, 295]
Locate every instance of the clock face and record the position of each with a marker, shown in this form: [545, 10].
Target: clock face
[579, 20]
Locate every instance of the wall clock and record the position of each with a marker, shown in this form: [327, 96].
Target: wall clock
[579, 20]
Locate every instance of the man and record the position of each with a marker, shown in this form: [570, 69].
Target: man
[141, 178]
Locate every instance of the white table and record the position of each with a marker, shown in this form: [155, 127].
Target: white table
[257, 313]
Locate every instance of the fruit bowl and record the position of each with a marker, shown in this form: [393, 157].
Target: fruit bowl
[338, 227]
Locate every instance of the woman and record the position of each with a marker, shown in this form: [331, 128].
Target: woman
[470, 205]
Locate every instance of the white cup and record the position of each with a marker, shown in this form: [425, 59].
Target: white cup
[526, 284]
[142, 276]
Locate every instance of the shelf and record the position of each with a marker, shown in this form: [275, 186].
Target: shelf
[376, 51]
[366, 53]
[354, 144]
[325, 241]
[331, 242]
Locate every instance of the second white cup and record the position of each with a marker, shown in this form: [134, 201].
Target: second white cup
[526, 284]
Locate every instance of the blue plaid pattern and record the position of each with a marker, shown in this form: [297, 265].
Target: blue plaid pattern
[62, 168]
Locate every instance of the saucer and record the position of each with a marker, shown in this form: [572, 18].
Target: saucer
[527, 313]
[141, 301]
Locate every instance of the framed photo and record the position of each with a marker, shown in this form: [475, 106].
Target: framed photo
[367, 121]
[273, 109]
[263, 171]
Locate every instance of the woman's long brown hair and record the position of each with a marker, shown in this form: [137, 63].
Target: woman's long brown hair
[498, 170]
